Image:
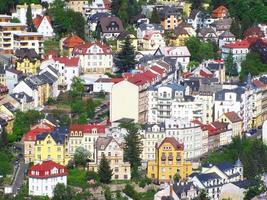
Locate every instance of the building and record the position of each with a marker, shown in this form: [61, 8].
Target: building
[77, 5]
[103, 85]
[13, 76]
[95, 57]
[95, 18]
[234, 120]
[28, 61]
[113, 151]
[144, 28]
[181, 54]
[5, 18]
[207, 34]
[43, 25]
[170, 17]
[29, 40]
[21, 11]
[169, 161]
[235, 190]
[84, 135]
[52, 146]
[29, 142]
[226, 37]
[7, 30]
[239, 49]
[110, 27]
[44, 176]
[179, 37]
[97, 6]
[153, 40]
[121, 39]
[220, 12]
[69, 43]
[213, 177]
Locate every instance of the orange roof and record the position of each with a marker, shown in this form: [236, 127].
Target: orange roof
[238, 44]
[38, 20]
[219, 12]
[73, 41]
[178, 146]
[233, 117]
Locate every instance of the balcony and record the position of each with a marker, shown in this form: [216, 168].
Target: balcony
[164, 103]
[164, 108]
[164, 116]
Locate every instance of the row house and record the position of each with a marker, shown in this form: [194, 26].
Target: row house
[29, 40]
[169, 161]
[7, 31]
[172, 101]
[95, 57]
[65, 68]
[213, 176]
[84, 135]
[113, 152]
[129, 97]
[40, 87]
[5, 18]
[189, 133]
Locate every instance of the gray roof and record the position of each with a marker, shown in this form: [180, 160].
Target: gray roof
[26, 53]
[205, 31]
[227, 34]
[207, 177]
[21, 95]
[180, 188]
[97, 16]
[45, 78]
[176, 87]
[111, 21]
[165, 11]
[220, 95]
[144, 27]
[243, 184]
[149, 126]
[59, 135]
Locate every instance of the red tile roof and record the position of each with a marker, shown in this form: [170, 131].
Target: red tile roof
[253, 32]
[44, 170]
[216, 128]
[38, 20]
[158, 70]
[219, 12]
[31, 134]
[87, 128]
[149, 34]
[68, 62]
[83, 48]
[205, 74]
[178, 146]
[117, 80]
[238, 44]
[72, 41]
[259, 84]
[233, 117]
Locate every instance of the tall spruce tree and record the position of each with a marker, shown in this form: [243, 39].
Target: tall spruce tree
[236, 28]
[155, 18]
[125, 59]
[104, 170]
[230, 65]
[29, 22]
[132, 147]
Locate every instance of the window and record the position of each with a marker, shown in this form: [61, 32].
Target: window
[109, 153]
[116, 169]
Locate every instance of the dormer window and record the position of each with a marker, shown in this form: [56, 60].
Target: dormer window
[102, 147]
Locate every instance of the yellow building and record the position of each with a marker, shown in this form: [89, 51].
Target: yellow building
[51, 146]
[168, 1]
[121, 39]
[179, 37]
[169, 161]
[27, 61]
[6, 113]
[77, 5]
[234, 120]
[187, 9]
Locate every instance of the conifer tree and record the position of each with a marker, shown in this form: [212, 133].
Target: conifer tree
[125, 59]
[155, 18]
[104, 170]
[29, 22]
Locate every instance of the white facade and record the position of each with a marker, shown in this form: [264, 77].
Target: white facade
[45, 187]
[103, 85]
[21, 11]
[45, 28]
[11, 79]
[95, 57]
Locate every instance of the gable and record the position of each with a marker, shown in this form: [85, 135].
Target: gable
[217, 171]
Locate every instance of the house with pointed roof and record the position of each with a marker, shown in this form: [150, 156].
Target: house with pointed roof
[220, 12]
[110, 27]
[121, 39]
[169, 154]
[234, 120]
[70, 42]
[113, 151]
[207, 33]
[28, 61]
[44, 176]
[153, 40]
[226, 37]
[179, 37]
[44, 26]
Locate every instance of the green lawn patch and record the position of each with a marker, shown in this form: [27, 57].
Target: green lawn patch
[77, 178]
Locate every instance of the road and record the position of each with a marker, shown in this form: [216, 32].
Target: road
[19, 177]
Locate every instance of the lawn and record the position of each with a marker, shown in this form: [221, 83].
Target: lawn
[77, 177]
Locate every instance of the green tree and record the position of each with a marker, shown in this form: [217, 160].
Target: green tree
[155, 18]
[230, 66]
[236, 29]
[196, 4]
[81, 156]
[253, 65]
[90, 108]
[92, 175]
[29, 1]
[15, 20]
[132, 147]
[122, 12]
[258, 187]
[29, 22]
[104, 170]
[115, 6]
[125, 59]
[7, 5]
[131, 192]
[61, 192]
[3, 138]
[107, 194]
[202, 195]
[77, 88]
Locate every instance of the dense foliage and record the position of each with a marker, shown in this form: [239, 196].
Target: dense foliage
[104, 170]
[230, 65]
[252, 153]
[132, 147]
[125, 59]
[200, 50]
[23, 122]
[252, 65]
[6, 162]
[29, 22]
[81, 156]
[66, 21]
